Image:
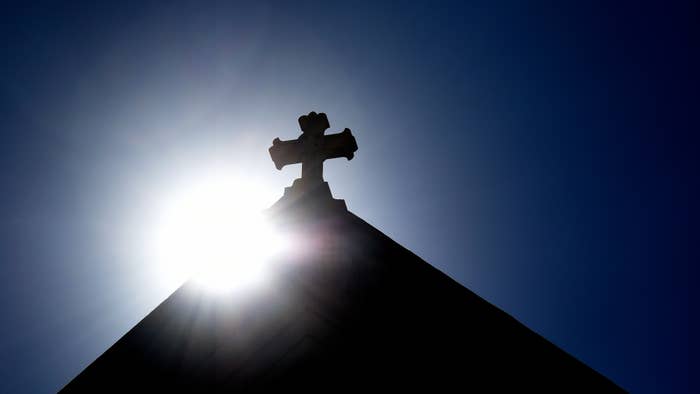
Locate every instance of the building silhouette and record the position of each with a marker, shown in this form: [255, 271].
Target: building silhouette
[357, 312]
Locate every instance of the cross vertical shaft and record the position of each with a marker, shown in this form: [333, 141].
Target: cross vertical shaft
[312, 161]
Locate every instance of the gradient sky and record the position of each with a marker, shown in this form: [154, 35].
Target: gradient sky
[544, 156]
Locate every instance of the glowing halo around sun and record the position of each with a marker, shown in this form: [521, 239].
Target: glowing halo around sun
[214, 232]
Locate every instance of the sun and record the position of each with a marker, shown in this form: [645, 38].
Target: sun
[214, 232]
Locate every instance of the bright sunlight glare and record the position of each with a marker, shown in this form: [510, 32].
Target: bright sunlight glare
[213, 231]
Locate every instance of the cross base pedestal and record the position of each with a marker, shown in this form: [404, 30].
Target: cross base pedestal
[308, 196]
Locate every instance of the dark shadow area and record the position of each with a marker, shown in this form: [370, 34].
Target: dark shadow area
[358, 312]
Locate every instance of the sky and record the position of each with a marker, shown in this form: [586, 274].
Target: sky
[543, 155]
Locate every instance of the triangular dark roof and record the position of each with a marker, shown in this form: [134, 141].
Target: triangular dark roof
[359, 313]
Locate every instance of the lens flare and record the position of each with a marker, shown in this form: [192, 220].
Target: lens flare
[215, 233]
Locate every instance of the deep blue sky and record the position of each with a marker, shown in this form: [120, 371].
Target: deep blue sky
[542, 155]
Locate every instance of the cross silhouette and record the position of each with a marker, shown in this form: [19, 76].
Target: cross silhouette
[313, 147]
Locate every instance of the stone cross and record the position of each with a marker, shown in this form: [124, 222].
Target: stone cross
[313, 147]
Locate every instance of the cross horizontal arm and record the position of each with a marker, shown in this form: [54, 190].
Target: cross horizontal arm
[286, 152]
[342, 144]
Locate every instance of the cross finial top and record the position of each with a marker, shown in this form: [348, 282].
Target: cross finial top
[314, 124]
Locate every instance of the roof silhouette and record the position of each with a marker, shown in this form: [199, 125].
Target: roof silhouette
[358, 312]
